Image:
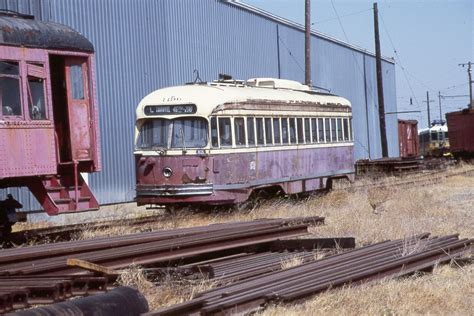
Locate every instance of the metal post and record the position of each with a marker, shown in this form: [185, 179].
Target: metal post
[383, 131]
[307, 43]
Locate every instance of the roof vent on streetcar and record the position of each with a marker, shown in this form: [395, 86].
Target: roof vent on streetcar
[277, 84]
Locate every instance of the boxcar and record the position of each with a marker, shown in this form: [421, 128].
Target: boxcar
[48, 119]
[215, 143]
[408, 138]
[461, 132]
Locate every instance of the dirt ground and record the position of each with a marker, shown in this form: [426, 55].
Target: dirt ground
[370, 215]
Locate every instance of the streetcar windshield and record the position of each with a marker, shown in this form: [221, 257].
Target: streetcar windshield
[178, 133]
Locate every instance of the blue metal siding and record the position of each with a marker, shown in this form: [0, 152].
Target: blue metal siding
[144, 45]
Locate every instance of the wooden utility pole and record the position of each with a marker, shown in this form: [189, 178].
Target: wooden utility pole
[428, 107]
[378, 58]
[469, 64]
[307, 43]
[440, 111]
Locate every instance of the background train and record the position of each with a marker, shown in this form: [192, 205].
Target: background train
[216, 143]
[434, 141]
[48, 121]
[461, 132]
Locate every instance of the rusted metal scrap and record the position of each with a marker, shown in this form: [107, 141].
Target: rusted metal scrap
[386, 259]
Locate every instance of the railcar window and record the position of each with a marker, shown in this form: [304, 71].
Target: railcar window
[214, 138]
[339, 130]
[320, 130]
[259, 123]
[327, 131]
[10, 88]
[300, 130]
[284, 130]
[77, 82]
[251, 131]
[239, 131]
[292, 130]
[346, 129]
[333, 130]
[189, 133]
[276, 131]
[36, 102]
[268, 132]
[153, 134]
[434, 136]
[350, 130]
[307, 131]
[445, 135]
[225, 132]
[314, 130]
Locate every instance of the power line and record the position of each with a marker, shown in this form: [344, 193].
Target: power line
[399, 60]
[342, 16]
[291, 54]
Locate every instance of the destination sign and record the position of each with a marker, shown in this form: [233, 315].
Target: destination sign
[170, 109]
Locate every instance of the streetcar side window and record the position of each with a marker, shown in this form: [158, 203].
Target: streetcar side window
[333, 130]
[314, 131]
[276, 131]
[350, 130]
[268, 131]
[300, 130]
[214, 139]
[239, 131]
[434, 136]
[10, 88]
[292, 130]
[284, 130]
[445, 135]
[260, 137]
[320, 130]
[225, 132]
[327, 131]
[251, 131]
[346, 128]
[339, 130]
[307, 131]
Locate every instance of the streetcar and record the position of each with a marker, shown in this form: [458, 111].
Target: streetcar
[434, 141]
[216, 143]
[49, 132]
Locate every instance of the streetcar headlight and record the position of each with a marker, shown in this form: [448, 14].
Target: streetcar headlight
[167, 172]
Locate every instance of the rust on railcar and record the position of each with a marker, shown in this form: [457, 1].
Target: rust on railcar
[408, 138]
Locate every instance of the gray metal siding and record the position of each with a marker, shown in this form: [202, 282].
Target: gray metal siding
[144, 45]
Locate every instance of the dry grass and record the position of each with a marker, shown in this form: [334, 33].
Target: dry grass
[367, 213]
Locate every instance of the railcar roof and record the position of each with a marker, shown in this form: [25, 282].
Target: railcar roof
[20, 30]
[435, 128]
[209, 96]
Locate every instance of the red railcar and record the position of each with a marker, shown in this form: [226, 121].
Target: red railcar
[461, 132]
[216, 143]
[48, 117]
[408, 138]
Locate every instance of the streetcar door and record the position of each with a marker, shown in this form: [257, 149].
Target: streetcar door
[79, 108]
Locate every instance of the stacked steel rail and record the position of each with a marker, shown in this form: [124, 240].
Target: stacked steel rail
[382, 260]
[20, 267]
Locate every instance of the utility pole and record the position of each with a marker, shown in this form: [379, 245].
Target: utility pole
[307, 43]
[428, 107]
[440, 112]
[469, 64]
[378, 58]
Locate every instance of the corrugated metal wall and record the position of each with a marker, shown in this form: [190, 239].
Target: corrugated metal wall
[143, 45]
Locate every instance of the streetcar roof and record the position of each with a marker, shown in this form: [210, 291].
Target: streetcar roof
[434, 128]
[207, 97]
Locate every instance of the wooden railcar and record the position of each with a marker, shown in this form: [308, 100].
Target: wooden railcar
[218, 142]
[461, 132]
[49, 131]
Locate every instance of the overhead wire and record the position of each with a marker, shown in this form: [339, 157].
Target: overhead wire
[342, 16]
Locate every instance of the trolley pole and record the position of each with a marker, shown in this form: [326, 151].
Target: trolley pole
[378, 58]
[307, 43]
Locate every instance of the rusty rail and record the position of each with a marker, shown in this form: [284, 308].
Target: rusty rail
[386, 259]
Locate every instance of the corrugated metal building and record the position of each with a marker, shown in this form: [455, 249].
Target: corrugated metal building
[143, 45]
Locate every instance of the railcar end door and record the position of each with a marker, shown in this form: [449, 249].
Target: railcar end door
[79, 108]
